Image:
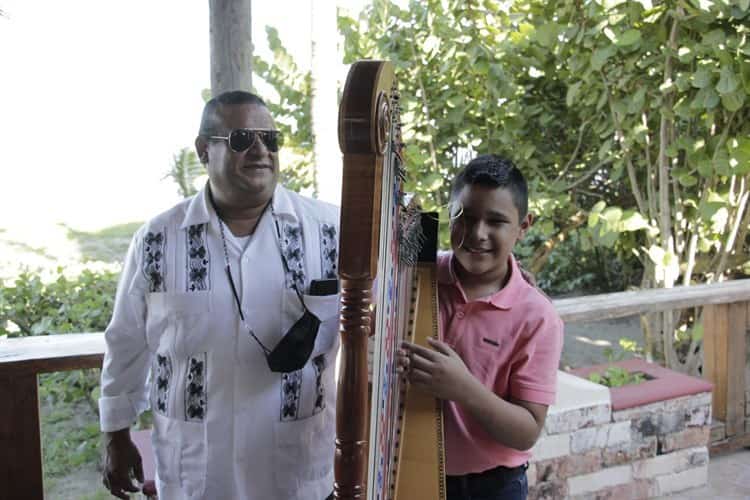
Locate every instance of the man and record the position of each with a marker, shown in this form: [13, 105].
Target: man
[225, 324]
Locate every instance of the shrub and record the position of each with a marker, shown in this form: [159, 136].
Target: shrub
[31, 305]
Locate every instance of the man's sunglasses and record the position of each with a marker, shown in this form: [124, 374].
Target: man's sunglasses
[242, 139]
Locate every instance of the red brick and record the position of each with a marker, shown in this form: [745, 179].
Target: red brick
[692, 436]
[571, 465]
[645, 448]
[549, 490]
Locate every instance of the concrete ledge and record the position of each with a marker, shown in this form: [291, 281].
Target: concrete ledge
[664, 384]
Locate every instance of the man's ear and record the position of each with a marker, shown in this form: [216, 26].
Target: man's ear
[201, 149]
[526, 223]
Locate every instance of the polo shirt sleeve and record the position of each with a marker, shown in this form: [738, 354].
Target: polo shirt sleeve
[534, 364]
[126, 357]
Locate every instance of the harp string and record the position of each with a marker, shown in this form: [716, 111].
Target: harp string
[386, 398]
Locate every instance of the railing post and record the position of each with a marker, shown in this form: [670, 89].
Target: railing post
[20, 442]
[724, 351]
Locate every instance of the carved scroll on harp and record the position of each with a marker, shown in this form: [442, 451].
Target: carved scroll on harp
[378, 235]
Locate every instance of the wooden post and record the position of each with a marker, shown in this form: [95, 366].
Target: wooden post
[21, 456]
[724, 327]
[231, 45]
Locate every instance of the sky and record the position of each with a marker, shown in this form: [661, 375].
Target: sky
[96, 97]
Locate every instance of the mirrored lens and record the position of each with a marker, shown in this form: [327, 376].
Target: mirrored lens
[272, 139]
[241, 140]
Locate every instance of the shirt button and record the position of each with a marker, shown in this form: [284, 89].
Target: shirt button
[461, 315]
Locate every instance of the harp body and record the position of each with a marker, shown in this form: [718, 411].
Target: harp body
[389, 446]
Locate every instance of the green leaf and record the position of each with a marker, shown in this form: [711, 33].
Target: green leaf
[633, 221]
[630, 37]
[685, 54]
[573, 90]
[714, 38]
[734, 101]
[636, 102]
[687, 180]
[612, 214]
[701, 78]
[547, 34]
[727, 81]
[600, 56]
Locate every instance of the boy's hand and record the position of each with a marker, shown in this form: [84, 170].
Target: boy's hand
[441, 372]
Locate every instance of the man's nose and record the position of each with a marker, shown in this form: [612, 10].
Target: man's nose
[259, 147]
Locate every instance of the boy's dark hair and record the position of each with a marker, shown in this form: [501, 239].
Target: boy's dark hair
[494, 171]
[211, 122]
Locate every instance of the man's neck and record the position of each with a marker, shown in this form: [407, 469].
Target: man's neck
[241, 220]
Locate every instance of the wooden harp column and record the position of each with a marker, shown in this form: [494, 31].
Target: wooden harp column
[364, 132]
[383, 235]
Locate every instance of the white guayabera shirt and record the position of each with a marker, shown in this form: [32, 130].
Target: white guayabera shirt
[225, 426]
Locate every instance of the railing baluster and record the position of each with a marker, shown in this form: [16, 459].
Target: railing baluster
[725, 327]
[20, 442]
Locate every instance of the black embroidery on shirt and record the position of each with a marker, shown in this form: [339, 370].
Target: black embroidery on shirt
[319, 364]
[328, 251]
[490, 341]
[161, 386]
[198, 261]
[153, 262]
[291, 245]
[195, 389]
[291, 388]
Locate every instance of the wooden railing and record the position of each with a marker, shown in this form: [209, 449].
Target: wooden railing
[726, 321]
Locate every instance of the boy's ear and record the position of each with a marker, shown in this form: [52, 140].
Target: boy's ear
[526, 223]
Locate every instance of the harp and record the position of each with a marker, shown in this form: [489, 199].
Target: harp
[389, 445]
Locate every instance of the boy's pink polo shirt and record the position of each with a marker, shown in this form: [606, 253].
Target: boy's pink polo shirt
[511, 341]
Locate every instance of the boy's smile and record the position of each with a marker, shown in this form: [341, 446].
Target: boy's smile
[483, 236]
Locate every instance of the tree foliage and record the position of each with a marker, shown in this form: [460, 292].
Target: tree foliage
[629, 118]
[291, 109]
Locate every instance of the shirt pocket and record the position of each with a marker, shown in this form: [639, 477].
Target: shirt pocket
[326, 308]
[303, 451]
[180, 321]
[180, 453]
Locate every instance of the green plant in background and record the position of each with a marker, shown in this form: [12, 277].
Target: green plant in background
[615, 376]
[471, 84]
[65, 304]
[30, 306]
[185, 171]
[292, 112]
[630, 119]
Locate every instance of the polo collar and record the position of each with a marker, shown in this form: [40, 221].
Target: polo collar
[200, 210]
[502, 299]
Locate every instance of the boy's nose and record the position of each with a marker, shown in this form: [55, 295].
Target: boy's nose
[479, 231]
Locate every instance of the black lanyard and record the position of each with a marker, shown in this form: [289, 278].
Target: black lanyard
[228, 268]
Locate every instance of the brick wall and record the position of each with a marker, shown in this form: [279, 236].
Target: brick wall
[590, 451]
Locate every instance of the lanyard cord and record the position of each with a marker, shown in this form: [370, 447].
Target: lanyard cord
[228, 269]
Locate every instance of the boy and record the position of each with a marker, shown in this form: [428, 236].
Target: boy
[496, 368]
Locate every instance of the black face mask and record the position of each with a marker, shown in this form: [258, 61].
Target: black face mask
[294, 348]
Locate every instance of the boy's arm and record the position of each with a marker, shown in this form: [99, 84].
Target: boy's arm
[443, 374]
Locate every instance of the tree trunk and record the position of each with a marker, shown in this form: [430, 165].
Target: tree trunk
[231, 45]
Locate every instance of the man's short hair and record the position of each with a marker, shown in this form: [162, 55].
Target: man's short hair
[494, 171]
[211, 121]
